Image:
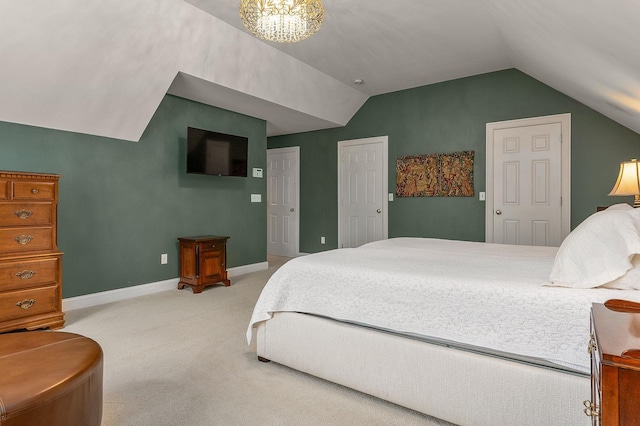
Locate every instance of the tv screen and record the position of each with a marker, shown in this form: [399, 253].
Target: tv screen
[212, 153]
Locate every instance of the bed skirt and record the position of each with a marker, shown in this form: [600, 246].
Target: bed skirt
[462, 387]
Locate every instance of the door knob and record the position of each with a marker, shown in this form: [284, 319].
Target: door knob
[498, 212]
[291, 209]
[379, 211]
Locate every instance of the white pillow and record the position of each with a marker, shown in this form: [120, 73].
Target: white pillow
[599, 250]
[630, 280]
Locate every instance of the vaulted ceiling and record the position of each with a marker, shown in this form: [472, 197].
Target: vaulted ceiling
[102, 68]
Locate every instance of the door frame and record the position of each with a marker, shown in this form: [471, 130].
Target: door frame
[565, 190]
[295, 150]
[385, 181]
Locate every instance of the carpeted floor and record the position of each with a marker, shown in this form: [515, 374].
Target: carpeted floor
[177, 358]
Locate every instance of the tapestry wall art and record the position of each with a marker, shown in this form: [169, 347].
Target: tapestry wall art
[435, 175]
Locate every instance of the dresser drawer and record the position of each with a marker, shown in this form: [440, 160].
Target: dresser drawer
[25, 303]
[23, 273]
[26, 214]
[29, 190]
[19, 240]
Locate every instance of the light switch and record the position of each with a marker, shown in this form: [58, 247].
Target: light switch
[391, 196]
[256, 198]
[257, 173]
[482, 196]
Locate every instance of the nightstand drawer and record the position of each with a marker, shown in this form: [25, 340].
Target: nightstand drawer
[24, 273]
[27, 239]
[26, 214]
[30, 190]
[26, 303]
[213, 246]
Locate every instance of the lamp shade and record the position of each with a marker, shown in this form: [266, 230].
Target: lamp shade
[628, 182]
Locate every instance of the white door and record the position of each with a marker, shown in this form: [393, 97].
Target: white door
[362, 191]
[283, 173]
[526, 202]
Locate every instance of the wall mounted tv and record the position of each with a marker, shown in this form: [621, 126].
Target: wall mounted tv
[212, 153]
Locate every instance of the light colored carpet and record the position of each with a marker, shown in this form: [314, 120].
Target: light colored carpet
[178, 358]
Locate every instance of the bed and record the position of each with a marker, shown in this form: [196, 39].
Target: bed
[471, 333]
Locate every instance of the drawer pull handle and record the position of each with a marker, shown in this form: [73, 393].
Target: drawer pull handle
[23, 214]
[26, 274]
[592, 345]
[23, 239]
[34, 191]
[591, 409]
[26, 303]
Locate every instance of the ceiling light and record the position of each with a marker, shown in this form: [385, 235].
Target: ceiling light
[283, 21]
[358, 81]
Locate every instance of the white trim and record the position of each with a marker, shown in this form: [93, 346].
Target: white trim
[385, 181]
[246, 269]
[296, 151]
[95, 299]
[565, 122]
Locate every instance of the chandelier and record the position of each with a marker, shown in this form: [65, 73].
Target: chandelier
[283, 21]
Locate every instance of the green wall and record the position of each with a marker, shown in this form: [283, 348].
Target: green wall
[448, 117]
[122, 204]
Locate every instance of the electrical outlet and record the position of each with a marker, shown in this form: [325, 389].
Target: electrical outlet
[163, 259]
[321, 240]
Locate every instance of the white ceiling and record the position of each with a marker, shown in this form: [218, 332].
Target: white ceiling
[586, 49]
[103, 68]
[393, 45]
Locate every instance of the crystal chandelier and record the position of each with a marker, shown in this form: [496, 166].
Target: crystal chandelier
[283, 21]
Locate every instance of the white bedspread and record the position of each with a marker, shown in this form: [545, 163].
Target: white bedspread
[486, 295]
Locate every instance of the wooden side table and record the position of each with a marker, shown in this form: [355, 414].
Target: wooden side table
[615, 364]
[203, 262]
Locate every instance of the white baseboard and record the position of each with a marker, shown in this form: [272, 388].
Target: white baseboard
[245, 269]
[103, 297]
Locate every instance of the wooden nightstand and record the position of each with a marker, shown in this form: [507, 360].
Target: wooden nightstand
[203, 262]
[615, 364]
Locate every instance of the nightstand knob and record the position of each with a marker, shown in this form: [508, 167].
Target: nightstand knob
[592, 345]
[213, 246]
[34, 191]
[591, 410]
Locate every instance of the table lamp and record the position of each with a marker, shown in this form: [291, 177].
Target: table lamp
[628, 182]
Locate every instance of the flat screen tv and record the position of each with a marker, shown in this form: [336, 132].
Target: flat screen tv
[213, 153]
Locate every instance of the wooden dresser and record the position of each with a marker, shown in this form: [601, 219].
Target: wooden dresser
[203, 262]
[30, 263]
[615, 364]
